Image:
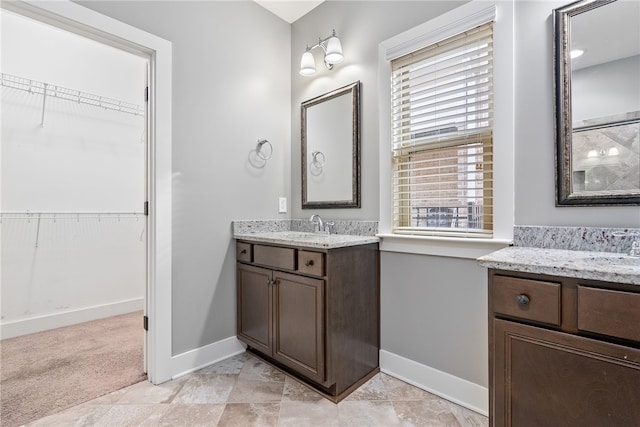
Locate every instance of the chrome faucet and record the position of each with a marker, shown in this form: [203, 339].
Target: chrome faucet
[321, 226]
[635, 244]
[319, 223]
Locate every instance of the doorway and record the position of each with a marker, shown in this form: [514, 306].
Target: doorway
[77, 19]
[74, 144]
[73, 223]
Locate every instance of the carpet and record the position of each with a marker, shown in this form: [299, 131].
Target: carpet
[49, 371]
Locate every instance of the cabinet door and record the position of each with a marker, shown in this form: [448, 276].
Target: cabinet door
[299, 324]
[254, 307]
[545, 378]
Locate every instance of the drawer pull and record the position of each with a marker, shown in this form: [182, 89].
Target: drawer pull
[523, 300]
[244, 251]
[308, 263]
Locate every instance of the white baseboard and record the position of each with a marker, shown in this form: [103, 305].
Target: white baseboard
[447, 386]
[70, 317]
[198, 358]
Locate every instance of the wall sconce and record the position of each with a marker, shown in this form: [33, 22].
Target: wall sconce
[332, 55]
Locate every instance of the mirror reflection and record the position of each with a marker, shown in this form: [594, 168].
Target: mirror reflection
[330, 149]
[598, 102]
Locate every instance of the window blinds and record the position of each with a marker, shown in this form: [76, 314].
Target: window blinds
[442, 119]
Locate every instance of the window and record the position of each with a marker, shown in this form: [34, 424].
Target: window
[442, 137]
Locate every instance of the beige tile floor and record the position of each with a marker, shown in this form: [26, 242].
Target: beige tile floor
[244, 391]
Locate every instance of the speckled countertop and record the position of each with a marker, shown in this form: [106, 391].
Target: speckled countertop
[306, 240]
[297, 232]
[605, 266]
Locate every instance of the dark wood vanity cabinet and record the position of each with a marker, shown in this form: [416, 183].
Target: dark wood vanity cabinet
[313, 313]
[563, 351]
[282, 315]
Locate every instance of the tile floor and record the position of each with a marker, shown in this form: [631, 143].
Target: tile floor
[243, 391]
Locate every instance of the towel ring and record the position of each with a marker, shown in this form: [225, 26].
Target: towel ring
[316, 159]
[259, 151]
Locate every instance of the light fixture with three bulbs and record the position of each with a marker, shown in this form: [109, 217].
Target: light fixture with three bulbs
[332, 54]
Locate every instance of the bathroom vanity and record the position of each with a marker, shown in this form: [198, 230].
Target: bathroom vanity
[309, 304]
[564, 338]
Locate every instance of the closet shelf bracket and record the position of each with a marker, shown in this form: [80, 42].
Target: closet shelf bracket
[51, 90]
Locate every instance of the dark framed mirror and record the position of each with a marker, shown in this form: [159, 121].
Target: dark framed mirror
[597, 102]
[331, 149]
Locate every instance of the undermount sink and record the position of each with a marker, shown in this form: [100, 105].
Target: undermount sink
[614, 260]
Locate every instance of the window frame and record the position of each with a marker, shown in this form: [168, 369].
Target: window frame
[454, 22]
[453, 80]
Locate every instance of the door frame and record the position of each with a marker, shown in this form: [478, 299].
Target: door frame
[83, 21]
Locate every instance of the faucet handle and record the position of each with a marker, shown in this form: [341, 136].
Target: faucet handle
[328, 225]
[635, 244]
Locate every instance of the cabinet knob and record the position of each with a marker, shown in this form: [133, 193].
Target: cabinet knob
[308, 263]
[523, 300]
[244, 251]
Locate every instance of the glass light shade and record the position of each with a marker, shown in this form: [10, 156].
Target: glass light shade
[334, 51]
[307, 64]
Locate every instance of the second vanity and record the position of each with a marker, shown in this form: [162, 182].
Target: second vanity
[564, 337]
[309, 304]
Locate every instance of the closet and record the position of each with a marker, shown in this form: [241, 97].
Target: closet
[72, 178]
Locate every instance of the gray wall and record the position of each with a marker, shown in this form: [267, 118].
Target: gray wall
[434, 311]
[534, 134]
[227, 92]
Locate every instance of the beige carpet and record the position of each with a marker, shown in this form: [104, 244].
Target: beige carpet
[46, 372]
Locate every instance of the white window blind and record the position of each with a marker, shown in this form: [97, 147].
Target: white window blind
[442, 120]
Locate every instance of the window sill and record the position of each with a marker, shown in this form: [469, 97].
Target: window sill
[453, 247]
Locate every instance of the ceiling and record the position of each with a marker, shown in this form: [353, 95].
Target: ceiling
[289, 10]
[606, 33]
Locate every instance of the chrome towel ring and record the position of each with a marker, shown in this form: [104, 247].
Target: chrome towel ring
[259, 149]
[318, 159]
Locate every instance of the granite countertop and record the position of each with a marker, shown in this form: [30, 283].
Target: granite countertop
[604, 266]
[306, 240]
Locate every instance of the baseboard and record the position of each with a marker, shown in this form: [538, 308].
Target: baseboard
[46, 322]
[447, 386]
[198, 358]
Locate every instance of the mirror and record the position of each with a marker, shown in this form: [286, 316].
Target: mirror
[597, 89]
[331, 149]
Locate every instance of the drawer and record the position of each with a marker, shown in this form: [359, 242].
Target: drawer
[243, 251]
[311, 263]
[609, 312]
[535, 300]
[274, 256]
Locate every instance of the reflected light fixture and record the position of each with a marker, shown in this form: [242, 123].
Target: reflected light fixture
[332, 54]
[576, 53]
[613, 151]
